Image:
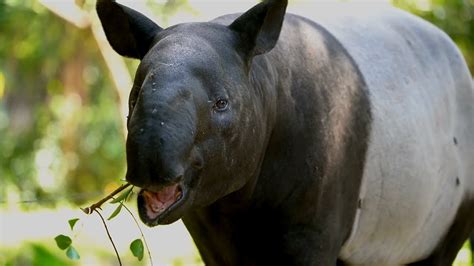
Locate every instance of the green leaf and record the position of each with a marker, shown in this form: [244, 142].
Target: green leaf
[73, 222]
[122, 196]
[137, 248]
[63, 241]
[117, 211]
[72, 253]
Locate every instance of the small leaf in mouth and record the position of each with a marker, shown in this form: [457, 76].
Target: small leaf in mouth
[122, 196]
[116, 212]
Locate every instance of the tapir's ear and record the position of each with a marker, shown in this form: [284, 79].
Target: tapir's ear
[129, 32]
[259, 27]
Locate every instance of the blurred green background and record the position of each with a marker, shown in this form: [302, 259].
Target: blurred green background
[62, 108]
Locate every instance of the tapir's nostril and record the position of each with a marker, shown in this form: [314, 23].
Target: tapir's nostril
[197, 163]
[178, 179]
[196, 159]
[136, 181]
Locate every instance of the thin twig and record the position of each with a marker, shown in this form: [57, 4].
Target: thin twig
[97, 205]
[110, 237]
[141, 232]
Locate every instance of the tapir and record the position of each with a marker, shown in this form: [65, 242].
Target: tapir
[284, 140]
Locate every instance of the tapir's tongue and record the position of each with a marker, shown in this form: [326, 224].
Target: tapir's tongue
[158, 202]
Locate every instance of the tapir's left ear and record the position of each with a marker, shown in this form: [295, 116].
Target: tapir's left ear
[259, 27]
[129, 32]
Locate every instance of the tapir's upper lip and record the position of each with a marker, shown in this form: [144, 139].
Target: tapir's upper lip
[155, 205]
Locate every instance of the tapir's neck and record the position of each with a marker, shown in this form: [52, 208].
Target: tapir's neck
[296, 152]
[265, 85]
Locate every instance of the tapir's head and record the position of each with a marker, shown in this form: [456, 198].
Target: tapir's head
[196, 127]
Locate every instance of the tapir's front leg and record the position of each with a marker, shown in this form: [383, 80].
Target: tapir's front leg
[321, 221]
[307, 246]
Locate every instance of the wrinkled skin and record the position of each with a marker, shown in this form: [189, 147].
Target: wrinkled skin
[238, 132]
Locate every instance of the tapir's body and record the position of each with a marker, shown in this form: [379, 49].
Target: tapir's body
[350, 140]
[419, 165]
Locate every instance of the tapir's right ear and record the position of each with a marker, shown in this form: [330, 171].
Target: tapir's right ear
[129, 32]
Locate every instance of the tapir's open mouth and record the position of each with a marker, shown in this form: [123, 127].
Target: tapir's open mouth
[154, 206]
[157, 202]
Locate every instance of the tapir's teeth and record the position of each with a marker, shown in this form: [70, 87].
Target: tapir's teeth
[157, 207]
[157, 202]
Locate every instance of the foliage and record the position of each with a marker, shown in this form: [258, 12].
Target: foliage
[60, 127]
[71, 253]
[72, 223]
[137, 248]
[35, 254]
[58, 113]
[464, 257]
[455, 17]
[63, 242]
[166, 9]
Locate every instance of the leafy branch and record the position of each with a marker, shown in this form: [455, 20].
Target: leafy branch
[136, 241]
[136, 247]
[110, 237]
[97, 205]
[65, 242]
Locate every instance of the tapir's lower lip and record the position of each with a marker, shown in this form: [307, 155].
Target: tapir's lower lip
[155, 207]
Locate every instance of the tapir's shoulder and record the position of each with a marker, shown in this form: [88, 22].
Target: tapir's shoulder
[375, 35]
[355, 15]
[353, 23]
[358, 22]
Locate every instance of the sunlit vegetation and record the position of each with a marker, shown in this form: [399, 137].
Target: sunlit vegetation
[455, 17]
[60, 131]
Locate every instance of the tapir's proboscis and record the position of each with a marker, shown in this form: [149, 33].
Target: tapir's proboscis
[346, 139]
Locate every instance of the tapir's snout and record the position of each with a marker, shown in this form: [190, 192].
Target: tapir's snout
[161, 169]
[155, 161]
[161, 133]
[161, 158]
[147, 170]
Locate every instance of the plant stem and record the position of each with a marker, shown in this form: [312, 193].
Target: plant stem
[110, 237]
[98, 204]
[141, 232]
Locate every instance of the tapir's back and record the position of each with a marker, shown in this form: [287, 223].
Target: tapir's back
[420, 159]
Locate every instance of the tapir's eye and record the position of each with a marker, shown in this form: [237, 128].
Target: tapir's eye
[221, 105]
